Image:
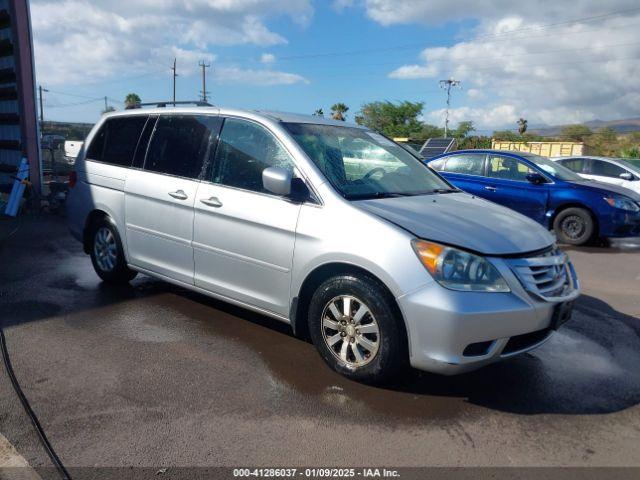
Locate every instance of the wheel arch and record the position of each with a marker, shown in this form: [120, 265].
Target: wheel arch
[92, 218]
[300, 303]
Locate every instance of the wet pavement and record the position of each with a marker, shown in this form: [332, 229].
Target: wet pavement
[153, 375]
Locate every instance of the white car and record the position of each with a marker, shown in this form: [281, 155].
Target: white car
[616, 171]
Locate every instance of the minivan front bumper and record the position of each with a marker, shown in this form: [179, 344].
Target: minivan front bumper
[453, 332]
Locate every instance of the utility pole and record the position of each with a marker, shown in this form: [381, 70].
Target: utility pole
[175, 76]
[106, 104]
[448, 85]
[204, 66]
[41, 90]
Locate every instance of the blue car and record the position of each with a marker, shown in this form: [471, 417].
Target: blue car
[578, 210]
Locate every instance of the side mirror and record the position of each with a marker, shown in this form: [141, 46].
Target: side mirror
[627, 176]
[277, 180]
[536, 178]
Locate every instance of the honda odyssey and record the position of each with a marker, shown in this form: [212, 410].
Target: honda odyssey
[329, 227]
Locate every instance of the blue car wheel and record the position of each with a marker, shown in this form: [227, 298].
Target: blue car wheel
[574, 226]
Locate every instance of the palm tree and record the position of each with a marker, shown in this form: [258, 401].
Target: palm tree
[132, 101]
[318, 113]
[522, 126]
[338, 112]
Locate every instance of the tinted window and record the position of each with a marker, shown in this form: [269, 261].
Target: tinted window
[143, 143]
[97, 144]
[575, 164]
[507, 168]
[606, 169]
[465, 164]
[180, 144]
[244, 151]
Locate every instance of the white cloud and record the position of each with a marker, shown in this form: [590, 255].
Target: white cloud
[268, 58]
[514, 64]
[82, 41]
[256, 77]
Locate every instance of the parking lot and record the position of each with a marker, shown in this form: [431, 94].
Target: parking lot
[155, 376]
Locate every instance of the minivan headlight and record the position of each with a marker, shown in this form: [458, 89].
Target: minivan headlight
[459, 270]
[623, 203]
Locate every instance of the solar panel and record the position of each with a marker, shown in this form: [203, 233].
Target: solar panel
[437, 146]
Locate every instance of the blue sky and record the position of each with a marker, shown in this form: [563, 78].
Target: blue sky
[552, 67]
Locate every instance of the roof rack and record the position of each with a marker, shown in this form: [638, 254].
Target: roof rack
[197, 103]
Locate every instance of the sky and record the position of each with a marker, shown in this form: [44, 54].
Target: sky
[541, 60]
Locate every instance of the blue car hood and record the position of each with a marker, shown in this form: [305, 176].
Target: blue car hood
[606, 188]
[462, 220]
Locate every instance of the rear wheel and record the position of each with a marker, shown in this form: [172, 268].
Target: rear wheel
[356, 329]
[107, 254]
[574, 226]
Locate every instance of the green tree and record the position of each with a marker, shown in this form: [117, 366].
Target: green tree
[318, 113]
[338, 112]
[392, 119]
[431, 131]
[463, 130]
[132, 101]
[577, 133]
[506, 135]
[522, 126]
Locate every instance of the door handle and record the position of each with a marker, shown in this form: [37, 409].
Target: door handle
[491, 189]
[179, 195]
[212, 202]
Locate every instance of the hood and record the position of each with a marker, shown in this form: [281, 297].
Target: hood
[461, 220]
[606, 188]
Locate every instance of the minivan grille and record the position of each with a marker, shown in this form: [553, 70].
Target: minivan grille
[547, 276]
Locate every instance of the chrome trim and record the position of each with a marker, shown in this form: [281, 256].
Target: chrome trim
[549, 277]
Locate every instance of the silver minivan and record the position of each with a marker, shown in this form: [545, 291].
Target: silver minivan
[327, 226]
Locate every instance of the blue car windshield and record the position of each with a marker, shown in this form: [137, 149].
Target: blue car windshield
[552, 168]
[361, 164]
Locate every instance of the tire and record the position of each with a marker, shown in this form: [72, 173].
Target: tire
[371, 349]
[107, 254]
[574, 226]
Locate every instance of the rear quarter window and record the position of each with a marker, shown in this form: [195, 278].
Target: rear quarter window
[116, 141]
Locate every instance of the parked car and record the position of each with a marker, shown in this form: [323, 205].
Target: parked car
[329, 227]
[578, 210]
[615, 171]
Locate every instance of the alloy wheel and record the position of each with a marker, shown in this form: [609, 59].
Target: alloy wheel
[105, 249]
[350, 331]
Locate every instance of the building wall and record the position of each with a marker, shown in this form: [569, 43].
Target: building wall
[546, 149]
[18, 119]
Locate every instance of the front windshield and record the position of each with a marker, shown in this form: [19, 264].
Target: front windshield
[553, 168]
[361, 164]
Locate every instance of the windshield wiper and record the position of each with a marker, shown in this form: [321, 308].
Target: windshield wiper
[375, 195]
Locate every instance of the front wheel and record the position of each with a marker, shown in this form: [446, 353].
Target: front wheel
[107, 254]
[574, 226]
[355, 328]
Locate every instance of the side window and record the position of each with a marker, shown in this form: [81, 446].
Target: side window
[575, 164]
[97, 144]
[143, 143]
[181, 143]
[437, 165]
[245, 149]
[471, 164]
[606, 169]
[507, 168]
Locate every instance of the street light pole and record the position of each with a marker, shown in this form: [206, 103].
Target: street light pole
[448, 85]
[41, 90]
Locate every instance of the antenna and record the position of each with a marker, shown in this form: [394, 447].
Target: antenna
[448, 85]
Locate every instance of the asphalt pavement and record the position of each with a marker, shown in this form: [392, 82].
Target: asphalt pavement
[155, 376]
